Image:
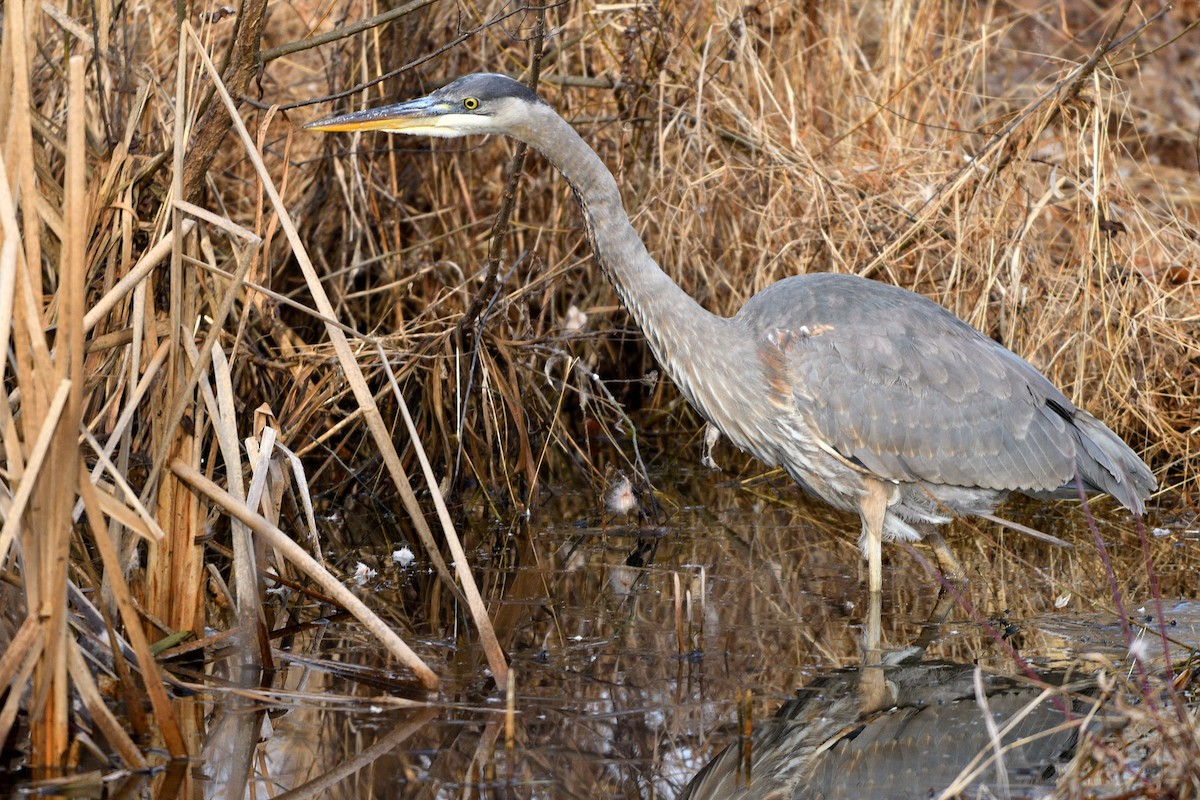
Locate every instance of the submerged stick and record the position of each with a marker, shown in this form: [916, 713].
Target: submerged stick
[308, 565]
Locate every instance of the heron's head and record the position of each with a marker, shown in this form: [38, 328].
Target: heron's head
[479, 103]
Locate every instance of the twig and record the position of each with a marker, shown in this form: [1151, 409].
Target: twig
[212, 126]
[495, 250]
[37, 456]
[341, 32]
[500, 226]
[450, 45]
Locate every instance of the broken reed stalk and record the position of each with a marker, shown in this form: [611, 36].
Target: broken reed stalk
[510, 723]
[16, 666]
[745, 762]
[50, 511]
[152, 685]
[300, 558]
[487, 636]
[353, 373]
[223, 416]
[173, 568]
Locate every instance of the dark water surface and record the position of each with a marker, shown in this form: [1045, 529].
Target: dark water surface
[641, 651]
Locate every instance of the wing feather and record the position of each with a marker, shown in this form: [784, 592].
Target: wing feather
[895, 382]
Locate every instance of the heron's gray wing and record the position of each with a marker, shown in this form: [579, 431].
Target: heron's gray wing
[906, 390]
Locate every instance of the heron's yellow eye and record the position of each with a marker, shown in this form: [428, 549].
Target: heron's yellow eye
[470, 103]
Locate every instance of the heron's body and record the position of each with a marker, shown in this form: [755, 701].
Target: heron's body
[873, 398]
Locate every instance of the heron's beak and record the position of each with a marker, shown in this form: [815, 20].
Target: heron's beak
[421, 116]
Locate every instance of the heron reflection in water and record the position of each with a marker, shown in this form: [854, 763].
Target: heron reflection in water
[874, 399]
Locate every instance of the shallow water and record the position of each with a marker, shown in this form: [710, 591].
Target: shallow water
[635, 647]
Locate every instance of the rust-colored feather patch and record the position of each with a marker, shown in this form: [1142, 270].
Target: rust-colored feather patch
[774, 351]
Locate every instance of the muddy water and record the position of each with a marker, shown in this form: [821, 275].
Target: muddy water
[642, 649]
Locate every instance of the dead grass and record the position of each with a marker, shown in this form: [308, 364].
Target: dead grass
[921, 144]
[754, 146]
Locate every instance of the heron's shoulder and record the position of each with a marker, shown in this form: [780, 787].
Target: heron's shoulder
[838, 332]
[849, 304]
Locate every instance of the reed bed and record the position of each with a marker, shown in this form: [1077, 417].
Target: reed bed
[1034, 199]
[205, 308]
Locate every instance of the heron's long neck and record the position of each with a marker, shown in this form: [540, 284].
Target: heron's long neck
[674, 324]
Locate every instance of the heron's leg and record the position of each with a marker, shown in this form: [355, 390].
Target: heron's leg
[875, 561]
[872, 508]
[948, 563]
[874, 630]
[873, 691]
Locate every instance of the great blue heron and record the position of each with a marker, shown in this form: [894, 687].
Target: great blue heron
[872, 398]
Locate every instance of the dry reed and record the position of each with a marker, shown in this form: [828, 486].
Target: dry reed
[753, 146]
